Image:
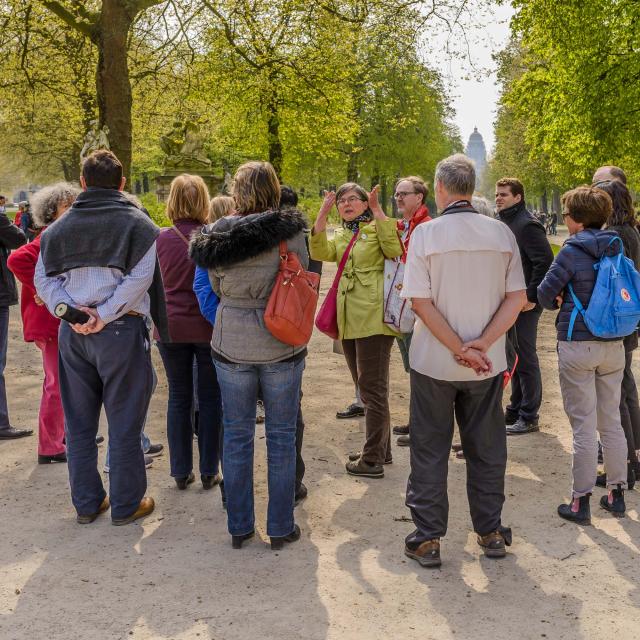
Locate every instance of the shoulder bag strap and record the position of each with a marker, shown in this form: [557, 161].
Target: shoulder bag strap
[345, 255]
[179, 233]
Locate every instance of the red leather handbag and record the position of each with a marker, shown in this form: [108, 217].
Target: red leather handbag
[293, 300]
[327, 318]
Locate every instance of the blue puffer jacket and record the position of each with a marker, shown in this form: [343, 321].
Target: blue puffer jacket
[574, 264]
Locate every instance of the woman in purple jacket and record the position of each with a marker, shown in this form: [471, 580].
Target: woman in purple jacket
[188, 208]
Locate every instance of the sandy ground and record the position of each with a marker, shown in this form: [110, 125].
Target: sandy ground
[174, 575]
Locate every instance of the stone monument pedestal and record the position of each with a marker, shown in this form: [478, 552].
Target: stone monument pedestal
[163, 183]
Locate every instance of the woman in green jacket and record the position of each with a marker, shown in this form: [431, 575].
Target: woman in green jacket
[366, 340]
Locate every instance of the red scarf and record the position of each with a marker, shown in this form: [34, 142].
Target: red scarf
[420, 216]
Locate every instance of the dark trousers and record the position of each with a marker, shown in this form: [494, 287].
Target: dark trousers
[4, 339]
[478, 411]
[178, 361]
[526, 384]
[630, 410]
[110, 368]
[368, 362]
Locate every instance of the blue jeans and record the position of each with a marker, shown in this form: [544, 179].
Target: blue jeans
[4, 339]
[178, 363]
[280, 385]
[144, 438]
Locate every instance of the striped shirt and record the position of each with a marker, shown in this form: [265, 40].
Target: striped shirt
[108, 290]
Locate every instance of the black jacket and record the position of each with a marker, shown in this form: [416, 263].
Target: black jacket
[574, 264]
[535, 250]
[11, 237]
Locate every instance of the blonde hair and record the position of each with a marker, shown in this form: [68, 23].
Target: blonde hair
[220, 206]
[188, 198]
[256, 188]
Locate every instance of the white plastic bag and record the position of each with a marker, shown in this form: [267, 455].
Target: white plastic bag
[398, 314]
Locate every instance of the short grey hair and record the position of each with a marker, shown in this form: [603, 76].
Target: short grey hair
[483, 206]
[44, 203]
[457, 174]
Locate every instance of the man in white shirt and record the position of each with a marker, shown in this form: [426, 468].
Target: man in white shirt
[465, 281]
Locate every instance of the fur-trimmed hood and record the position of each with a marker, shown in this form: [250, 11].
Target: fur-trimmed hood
[237, 238]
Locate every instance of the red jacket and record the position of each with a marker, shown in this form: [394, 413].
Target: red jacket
[37, 322]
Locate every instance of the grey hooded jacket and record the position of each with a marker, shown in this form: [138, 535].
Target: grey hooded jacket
[241, 254]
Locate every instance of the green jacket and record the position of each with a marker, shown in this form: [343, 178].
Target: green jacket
[361, 287]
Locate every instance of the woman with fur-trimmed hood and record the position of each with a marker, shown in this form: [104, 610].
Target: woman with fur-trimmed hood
[241, 253]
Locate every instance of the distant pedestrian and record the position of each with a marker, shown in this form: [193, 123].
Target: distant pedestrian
[464, 278]
[521, 415]
[40, 326]
[591, 369]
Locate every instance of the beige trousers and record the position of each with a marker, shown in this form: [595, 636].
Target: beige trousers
[590, 380]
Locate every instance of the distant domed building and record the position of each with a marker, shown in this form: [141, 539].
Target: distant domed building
[478, 153]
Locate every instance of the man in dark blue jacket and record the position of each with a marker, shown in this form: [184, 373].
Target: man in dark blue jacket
[526, 385]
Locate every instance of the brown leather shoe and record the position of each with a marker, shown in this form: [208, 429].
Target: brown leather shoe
[427, 554]
[104, 506]
[146, 506]
[493, 545]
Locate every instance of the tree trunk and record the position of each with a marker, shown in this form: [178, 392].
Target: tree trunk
[273, 128]
[112, 78]
[556, 205]
[543, 202]
[352, 166]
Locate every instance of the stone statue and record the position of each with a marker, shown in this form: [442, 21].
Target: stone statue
[227, 183]
[183, 146]
[96, 138]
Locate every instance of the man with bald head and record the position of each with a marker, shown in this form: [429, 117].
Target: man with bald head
[609, 172]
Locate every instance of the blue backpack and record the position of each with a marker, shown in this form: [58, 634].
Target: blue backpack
[614, 308]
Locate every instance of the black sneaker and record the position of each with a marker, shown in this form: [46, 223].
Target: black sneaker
[510, 419]
[154, 450]
[352, 411]
[404, 441]
[520, 427]
[401, 430]
[577, 510]
[613, 502]
[361, 468]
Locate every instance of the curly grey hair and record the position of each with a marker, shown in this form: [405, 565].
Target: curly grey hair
[482, 205]
[44, 203]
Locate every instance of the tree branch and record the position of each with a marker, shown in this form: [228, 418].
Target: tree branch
[75, 21]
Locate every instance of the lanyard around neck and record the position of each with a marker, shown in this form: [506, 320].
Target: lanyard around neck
[458, 204]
